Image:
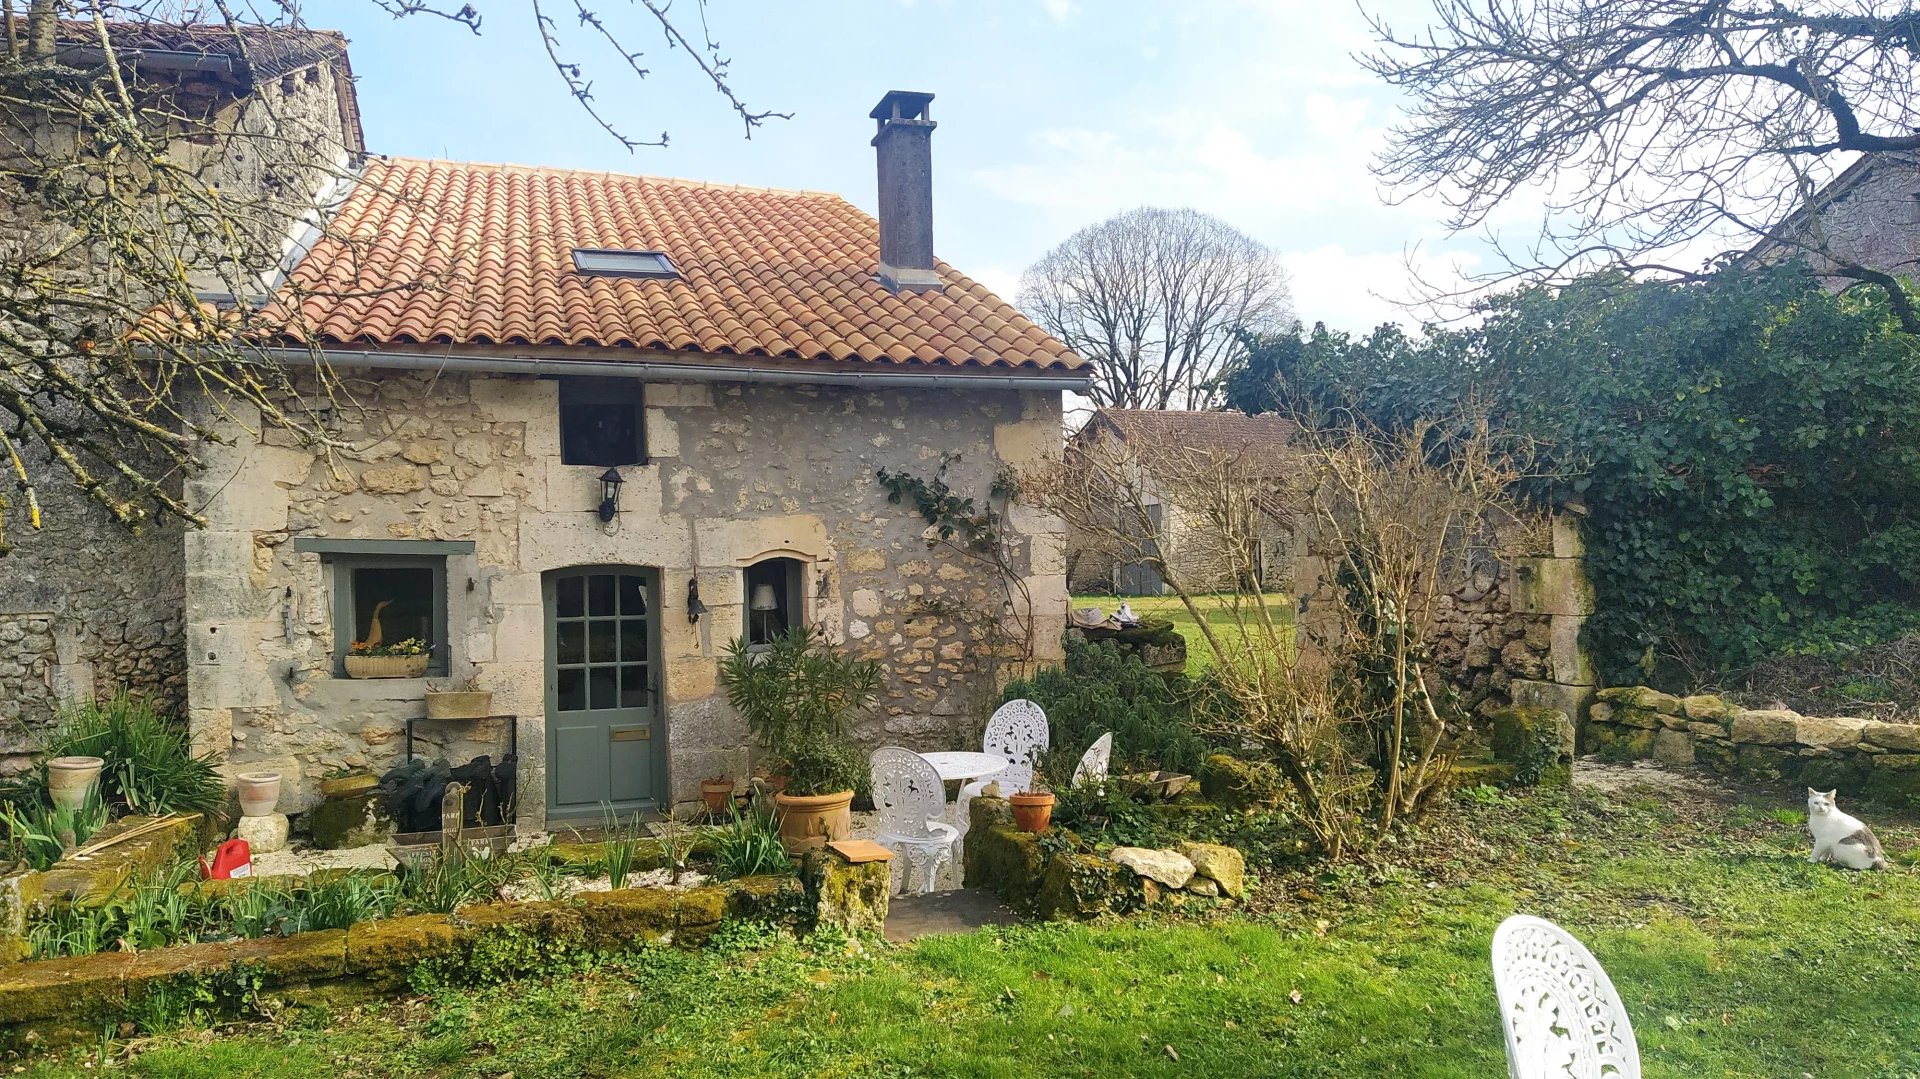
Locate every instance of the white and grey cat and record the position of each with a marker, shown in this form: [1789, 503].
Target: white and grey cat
[1838, 838]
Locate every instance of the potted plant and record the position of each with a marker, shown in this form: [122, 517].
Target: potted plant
[717, 793]
[72, 780]
[401, 659]
[1032, 809]
[459, 698]
[259, 792]
[797, 695]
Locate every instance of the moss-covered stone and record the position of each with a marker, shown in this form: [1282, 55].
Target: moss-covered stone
[1538, 742]
[104, 871]
[766, 898]
[394, 945]
[1077, 885]
[851, 896]
[1765, 765]
[700, 906]
[1707, 708]
[352, 821]
[1223, 865]
[1640, 697]
[1895, 778]
[1228, 781]
[1479, 774]
[69, 990]
[1004, 861]
[1845, 773]
[627, 916]
[1715, 755]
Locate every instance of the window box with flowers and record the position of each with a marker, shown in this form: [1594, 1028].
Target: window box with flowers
[401, 659]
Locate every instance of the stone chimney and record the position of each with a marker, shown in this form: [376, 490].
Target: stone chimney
[904, 148]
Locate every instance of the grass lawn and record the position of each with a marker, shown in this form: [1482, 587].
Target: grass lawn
[1213, 608]
[1734, 956]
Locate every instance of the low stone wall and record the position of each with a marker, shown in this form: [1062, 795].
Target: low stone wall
[1063, 882]
[58, 999]
[1770, 746]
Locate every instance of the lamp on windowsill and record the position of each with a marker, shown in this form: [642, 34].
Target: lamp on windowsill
[763, 605]
[610, 482]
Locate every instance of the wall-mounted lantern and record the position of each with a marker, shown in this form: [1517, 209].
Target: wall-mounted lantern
[695, 608]
[610, 482]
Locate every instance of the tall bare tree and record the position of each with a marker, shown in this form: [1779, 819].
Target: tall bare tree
[144, 216]
[1661, 133]
[1158, 298]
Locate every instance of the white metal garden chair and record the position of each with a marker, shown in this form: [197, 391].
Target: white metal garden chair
[1017, 732]
[1094, 763]
[911, 800]
[1563, 1020]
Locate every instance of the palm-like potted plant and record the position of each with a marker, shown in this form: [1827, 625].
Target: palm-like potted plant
[797, 695]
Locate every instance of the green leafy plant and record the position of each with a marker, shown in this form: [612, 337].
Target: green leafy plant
[150, 764]
[340, 903]
[797, 695]
[446, 881]
[749, 844]
[1098, 689]
[621, 847]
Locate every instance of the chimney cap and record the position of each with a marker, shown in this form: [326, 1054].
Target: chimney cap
[902, 105]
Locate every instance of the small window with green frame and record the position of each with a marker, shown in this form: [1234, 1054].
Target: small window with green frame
[385, 599]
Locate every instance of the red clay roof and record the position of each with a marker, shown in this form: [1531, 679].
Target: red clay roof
[768, 273]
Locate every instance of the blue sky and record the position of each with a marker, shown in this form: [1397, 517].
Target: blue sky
[1053, 114]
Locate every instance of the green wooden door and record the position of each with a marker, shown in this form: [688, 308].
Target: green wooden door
[606, 743]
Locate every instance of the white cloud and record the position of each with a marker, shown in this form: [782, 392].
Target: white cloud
[1060, 10]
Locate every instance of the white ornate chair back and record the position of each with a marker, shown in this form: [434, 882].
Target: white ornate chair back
[1563, 1020]
[1017, 731]
[1095, 761]
[907, 792]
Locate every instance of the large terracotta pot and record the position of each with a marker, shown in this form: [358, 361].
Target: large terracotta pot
[71, 779]
[459, 704]
[259, 792]
[809, 822]
[386, 666]
[1032, 812]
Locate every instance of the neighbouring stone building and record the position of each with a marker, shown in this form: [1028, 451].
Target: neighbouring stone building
[1174, 452]
[86, 606]
[583, 430]
[1868, 216]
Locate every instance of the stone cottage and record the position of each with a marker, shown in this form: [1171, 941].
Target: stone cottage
[1869, 216]
[582, 431]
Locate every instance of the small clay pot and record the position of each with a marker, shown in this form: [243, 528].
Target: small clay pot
[717, 794]
[71, 779]
[259, 792]
[1032, 812]
[809, 822]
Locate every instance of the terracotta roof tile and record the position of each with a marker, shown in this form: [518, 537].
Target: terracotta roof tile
[761, 272]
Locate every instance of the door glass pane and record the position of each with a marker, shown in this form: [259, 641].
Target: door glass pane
[600, 594]
[634, 692]
[572, 690]
[633, 595]
[569, 597]
[633, 641]
[600, 641]
[600, 682]
[570, 642]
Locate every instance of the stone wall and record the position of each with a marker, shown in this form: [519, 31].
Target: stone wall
[1771, 747]
[98, 607]
[738, 473]
[1875, 222]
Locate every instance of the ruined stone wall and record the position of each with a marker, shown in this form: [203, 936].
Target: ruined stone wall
[737, 473]
[1509, 637]
[107, 602]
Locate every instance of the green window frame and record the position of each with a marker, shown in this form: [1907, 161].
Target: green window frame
[346, 605]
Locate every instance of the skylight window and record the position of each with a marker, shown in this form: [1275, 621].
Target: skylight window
[602, 262]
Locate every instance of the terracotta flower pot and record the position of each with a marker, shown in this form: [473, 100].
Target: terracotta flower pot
[71, 779]
[717, 794]
[459, 704]
[809, 822]
[1032, 812]
[259, 792]
[386, 666]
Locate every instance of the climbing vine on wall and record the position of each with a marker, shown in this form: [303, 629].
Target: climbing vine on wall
[976, 529]
[1746, 450]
